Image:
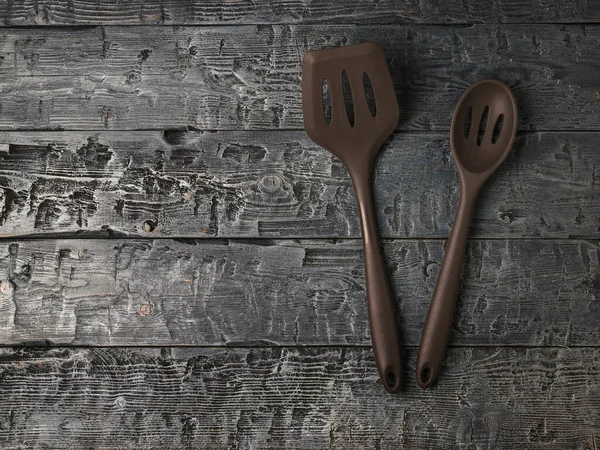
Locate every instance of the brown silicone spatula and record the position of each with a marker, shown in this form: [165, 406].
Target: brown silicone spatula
[482, 133]
[356, 142]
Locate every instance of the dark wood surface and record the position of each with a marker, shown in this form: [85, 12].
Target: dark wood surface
[248, 77]
[281, 184]
[204, 12]
[288, 292]
[303, 398]
[180, 266]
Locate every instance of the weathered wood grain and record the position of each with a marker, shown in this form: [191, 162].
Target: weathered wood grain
[280, 184]
[101, 179]
[249, 76]
[295, 398]
[203, 12]
[220, 292]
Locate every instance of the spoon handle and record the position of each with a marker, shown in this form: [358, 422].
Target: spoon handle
[436, 331]
[382, 315]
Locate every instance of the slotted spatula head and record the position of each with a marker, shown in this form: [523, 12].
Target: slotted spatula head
[349, 142]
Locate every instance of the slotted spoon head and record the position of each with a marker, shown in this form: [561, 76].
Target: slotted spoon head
[483, 127]
[348, 142]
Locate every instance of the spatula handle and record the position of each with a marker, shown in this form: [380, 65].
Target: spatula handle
[382, 315]
[436, 331]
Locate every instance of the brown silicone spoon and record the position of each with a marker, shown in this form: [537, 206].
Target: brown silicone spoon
[482, 133]
[356, 145]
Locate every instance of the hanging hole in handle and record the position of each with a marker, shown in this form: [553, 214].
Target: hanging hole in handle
[391, 379]
[425, 375]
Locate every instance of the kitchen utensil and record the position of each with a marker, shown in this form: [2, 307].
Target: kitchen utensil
[356, 143]
[482, 133]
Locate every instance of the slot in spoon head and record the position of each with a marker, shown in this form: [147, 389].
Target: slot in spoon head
[484, 126]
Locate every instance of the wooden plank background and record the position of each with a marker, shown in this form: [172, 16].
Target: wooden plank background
[180, 266]
[309, 292]
[248, 77]
[280, 184]
[301, 398]
[204, 12]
